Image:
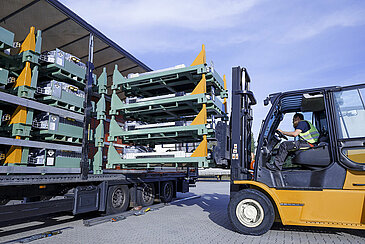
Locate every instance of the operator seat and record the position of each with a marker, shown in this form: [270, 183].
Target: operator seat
[314, 157]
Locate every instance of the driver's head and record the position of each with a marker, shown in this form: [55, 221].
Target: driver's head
[296, 118]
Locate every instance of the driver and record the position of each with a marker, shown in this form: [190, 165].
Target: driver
[308, 135]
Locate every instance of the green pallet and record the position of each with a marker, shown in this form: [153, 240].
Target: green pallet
[61, 132]
[61, 98]
[70, 73]
[53, 158]
[114, 159]
[168, 82]
[161, 135]
[59, 67]
[201, 162]
[168, 109]
[66, 162]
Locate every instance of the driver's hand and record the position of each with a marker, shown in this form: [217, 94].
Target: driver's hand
[280, 131]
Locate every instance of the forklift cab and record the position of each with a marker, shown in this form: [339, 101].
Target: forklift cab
[336, 113]
[312, 106]
[323, 185]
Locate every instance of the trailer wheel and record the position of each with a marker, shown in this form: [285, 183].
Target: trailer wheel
[146, 194]
[166, 191]
[251, 212]
[118, 199]
[4, 201]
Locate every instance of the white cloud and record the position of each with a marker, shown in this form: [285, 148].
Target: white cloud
[312, 27]
[188, 14]
[144, 26]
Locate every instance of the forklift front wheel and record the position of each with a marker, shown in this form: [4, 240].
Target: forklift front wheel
[251, 212]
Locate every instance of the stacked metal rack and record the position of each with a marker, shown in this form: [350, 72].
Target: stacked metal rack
[42, 102]
[177, 107]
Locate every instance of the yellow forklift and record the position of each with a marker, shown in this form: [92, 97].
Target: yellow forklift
[322, 185]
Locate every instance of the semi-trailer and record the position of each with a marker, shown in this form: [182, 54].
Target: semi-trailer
[70, 139]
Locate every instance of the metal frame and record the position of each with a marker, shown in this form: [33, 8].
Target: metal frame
[177, 161]
[5, 97]
[241, 122]
[84, 164]
[38, 144]
[164, 133]
[165, 108]
[169, 81]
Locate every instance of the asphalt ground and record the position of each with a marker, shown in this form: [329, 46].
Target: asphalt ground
[199, 220]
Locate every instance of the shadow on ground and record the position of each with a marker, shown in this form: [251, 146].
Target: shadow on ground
[216, 205]
[35, 223]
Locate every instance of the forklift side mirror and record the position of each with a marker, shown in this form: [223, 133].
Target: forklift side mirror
[266, 101]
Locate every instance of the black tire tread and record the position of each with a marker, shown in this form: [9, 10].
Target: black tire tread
[269, 212]
[109, 207]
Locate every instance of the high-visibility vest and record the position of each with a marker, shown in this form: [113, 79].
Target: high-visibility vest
[310, 135]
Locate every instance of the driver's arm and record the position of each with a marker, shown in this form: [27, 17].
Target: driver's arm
[291, 133]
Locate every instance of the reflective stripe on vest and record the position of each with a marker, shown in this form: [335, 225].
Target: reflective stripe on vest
[310, 135]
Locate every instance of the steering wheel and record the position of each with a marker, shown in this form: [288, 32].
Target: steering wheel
[281, 135]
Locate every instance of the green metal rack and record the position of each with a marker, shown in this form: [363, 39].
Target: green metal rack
[170, 108]
[64, 67]
[161, 135]
[51, 127]
[181, 100]
[170, 81]
[61, 94]
[21, 107]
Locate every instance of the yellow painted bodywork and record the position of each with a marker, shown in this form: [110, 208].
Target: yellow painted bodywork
[354, 180]
[325, 208]
[201, 118]
[202, 149]
[356, 155]
[201, 58]
[29, 42]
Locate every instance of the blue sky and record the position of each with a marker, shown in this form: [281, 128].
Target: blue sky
[284, 44]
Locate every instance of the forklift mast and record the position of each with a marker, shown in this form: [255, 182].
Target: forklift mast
[241, 125]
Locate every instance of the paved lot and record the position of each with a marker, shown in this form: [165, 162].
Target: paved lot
[201, 220]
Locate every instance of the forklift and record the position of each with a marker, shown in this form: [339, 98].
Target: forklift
[322, 185]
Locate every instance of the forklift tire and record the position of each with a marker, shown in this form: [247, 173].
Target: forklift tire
[251, 212]
[167, 191]
[145, 194]
[118, 199]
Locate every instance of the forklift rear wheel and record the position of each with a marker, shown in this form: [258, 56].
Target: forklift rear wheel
[118, 199]
[146, 194]
[167, 191]
[251, 212]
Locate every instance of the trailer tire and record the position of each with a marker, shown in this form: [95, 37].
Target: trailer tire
[166, 191]
[118, 199]
[251, 212]
[145, 194]
[4, 201]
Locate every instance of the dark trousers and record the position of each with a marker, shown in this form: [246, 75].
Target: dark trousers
[284, 149]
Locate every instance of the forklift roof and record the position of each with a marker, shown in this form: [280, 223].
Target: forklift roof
[61, 28]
